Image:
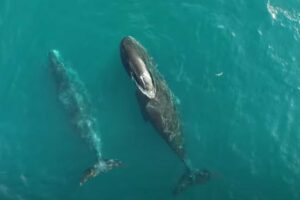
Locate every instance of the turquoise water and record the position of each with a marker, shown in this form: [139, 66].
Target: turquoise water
[233, 66]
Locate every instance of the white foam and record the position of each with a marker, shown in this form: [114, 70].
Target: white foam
[272, 11]
[219, 74]
[282, 15]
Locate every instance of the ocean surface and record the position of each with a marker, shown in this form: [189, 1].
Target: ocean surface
[233, 67]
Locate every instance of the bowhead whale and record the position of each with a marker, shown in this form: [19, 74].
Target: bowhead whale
[157, 105]
[74, 98]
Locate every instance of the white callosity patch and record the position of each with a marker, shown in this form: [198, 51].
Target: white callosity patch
[144, 76]
[147, 81]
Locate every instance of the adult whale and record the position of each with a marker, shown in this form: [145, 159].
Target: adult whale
[157, 105]
[74, 97]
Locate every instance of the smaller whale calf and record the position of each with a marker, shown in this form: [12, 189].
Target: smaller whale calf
[74, 98]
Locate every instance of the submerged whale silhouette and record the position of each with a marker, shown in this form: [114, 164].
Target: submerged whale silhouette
[74, 98]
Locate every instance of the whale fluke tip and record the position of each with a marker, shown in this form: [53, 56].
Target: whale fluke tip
[100, 167]
[191, 178]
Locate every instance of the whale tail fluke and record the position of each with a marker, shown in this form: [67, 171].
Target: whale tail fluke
[190, 178]
[100, 167]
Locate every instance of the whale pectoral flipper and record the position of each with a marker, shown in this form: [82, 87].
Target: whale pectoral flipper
[190, 178]
[141, 100]
[100, 167]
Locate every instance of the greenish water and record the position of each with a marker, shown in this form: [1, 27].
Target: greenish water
[233, 66]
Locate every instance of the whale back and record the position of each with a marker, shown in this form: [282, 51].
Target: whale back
[165, 118]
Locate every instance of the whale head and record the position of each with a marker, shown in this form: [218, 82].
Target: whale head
[134, 59]
[54, 57]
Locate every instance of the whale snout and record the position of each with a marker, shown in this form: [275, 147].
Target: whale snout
[136, 60]
[53, 54]
[129, 45]
[127, 40]
[54, 57]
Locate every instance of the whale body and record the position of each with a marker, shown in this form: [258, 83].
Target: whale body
[74, 97]
[157, 104]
